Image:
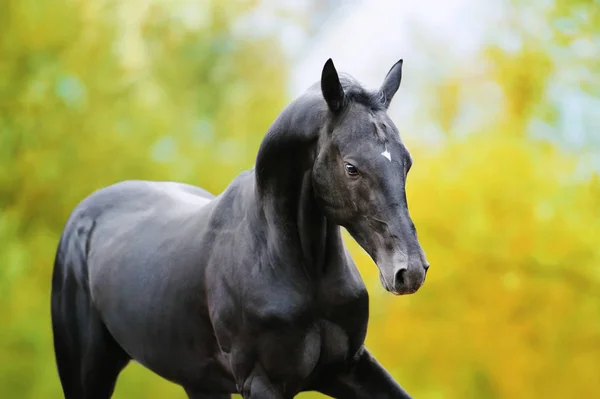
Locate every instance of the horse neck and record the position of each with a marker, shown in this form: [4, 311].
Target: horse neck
[302, 235]
[284, 187]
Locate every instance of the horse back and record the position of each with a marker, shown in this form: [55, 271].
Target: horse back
[113, 211]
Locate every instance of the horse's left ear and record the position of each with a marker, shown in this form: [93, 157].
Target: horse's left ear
[331, 87]
[391, 83]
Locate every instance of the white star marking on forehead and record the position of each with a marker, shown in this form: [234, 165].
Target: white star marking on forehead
[387, 154]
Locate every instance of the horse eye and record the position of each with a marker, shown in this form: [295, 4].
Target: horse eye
[352, 171]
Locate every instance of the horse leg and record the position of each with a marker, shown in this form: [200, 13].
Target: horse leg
[364, 379]
[87, 357]
[258, 386]
[201, 395]
[103, 361]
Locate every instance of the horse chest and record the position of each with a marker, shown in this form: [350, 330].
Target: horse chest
[294, 353]
[295, 339]
[335, 342]
[290, 329]
[343, 326]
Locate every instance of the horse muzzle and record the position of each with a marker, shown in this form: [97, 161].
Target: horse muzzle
[403, 278]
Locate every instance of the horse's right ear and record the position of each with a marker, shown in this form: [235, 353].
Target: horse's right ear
[331, 87]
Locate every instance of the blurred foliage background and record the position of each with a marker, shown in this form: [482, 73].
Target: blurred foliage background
[92, 93]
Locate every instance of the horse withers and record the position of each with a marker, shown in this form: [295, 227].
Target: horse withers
[251, 291]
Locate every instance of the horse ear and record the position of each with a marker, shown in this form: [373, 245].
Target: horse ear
[331, 87]
[391, 83]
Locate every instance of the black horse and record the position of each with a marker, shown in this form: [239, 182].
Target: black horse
[251, 291]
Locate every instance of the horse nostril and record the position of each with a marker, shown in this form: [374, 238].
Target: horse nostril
[426, 267]
[400, 278]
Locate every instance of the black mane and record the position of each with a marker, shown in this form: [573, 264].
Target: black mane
[354, 92]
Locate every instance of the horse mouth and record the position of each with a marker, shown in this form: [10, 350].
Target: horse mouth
[385, 284]
[407, 291]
